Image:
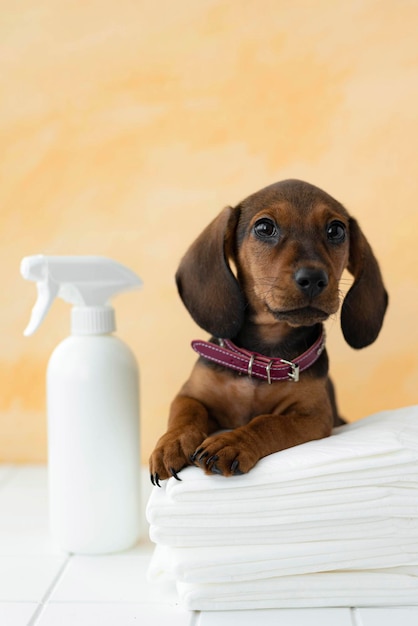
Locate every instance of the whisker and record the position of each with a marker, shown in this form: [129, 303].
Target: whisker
[261, 294]
[332, 321]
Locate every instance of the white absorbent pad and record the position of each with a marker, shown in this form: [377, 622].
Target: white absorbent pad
[341, 505]
[392, 587]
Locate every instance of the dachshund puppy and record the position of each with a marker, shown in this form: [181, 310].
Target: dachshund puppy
[261, 279]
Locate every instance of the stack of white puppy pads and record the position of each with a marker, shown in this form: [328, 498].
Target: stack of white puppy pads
[328, 523]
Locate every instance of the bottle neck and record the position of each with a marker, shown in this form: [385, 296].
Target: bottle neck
[92, 320]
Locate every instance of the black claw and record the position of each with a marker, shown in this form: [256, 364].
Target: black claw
[215, 470]
[174, 473]
[194, 455]
[152, 479]
[157, 480]
[212, 459]
[202, 456]
[235, 468]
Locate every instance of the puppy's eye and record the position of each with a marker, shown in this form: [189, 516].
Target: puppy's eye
[265, 228]
[336, 232]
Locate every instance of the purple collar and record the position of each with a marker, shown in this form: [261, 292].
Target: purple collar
[256, 365]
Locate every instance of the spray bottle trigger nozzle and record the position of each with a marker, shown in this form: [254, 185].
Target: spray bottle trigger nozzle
[86, 282]
[47, 292]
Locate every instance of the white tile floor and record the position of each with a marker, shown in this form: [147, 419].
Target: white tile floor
[40, 586]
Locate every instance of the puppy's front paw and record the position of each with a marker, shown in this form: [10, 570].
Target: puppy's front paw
[172, 453]
[228, 454]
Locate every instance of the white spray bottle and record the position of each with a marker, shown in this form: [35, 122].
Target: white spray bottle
[92, 405]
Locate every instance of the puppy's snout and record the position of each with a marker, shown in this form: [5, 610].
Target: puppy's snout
[311, 281]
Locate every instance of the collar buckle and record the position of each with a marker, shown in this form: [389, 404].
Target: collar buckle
[294, 370]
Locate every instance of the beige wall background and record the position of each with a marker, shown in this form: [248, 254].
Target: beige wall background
[125, 127]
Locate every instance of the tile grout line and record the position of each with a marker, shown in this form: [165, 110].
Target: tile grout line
[44, 600]
[355, 617]
[195, 618]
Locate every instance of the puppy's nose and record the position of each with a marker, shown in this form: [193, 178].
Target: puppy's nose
[311, 281]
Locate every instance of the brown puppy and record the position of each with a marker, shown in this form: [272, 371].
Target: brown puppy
[289, 244]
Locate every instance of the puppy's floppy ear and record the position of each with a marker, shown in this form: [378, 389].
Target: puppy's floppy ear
[206, 284]
[365, 304]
